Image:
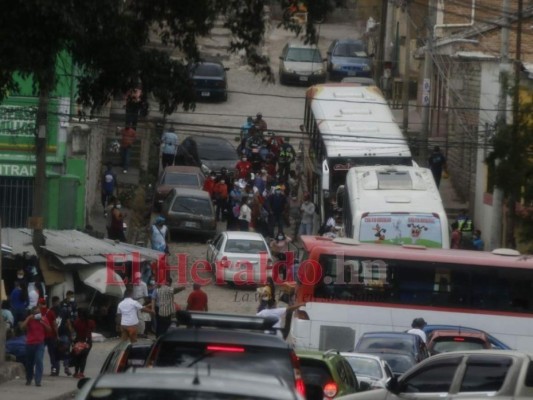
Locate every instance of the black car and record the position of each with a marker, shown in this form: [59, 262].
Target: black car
[228, 342]
[210, 80]
[210, 153]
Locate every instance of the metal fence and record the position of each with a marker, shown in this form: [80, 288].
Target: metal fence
[16, 201]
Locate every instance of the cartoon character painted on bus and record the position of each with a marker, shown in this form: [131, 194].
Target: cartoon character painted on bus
[416, 231]
[380, 233]
[397, 231]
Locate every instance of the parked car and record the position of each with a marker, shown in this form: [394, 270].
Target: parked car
[456, 340]
[211, 153]
[235, 343]
[396, 341]
[176, 176]
[494, 342]
[301, 64]
[398, 361]
[189, 210]
[210, 80]
[348, 57]
[191, 383]
[232, 252]
[370, 369]
[326, 374]
[126, 355]
[361, 80]
[471, 375]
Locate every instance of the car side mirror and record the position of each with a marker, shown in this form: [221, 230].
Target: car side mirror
[393, 385]
[82, 382]
[364, 386]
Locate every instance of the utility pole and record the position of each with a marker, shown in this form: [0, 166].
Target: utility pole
[501, 121]
[407, 71]
[378, 73]
[426, 84]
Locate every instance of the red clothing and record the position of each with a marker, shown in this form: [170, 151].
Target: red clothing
[243, 168]
[83, 329]
[209, 186]
[128, 137]
[197, 301]
[50, 316]
[455, 240]
[221, 190]
[35, 331]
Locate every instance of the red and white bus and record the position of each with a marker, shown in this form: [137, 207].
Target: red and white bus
[350, 288]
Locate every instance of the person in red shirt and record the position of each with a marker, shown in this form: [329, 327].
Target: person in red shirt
[83, 326]
[36, 327]
[243, 167]
[51, 337]
[197, 300]
[220, 192]
[209, 183]
[128, 138]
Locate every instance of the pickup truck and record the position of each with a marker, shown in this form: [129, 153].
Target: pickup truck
[469, 375]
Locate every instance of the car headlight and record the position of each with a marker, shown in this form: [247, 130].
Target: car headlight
[288, 70]
[337, 66]
[318, 71]
[205, 169]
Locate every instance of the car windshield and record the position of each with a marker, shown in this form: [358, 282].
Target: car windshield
[315, 372]
[398, 363]
[162, 394]
[457, 344]
[193, 205]
[303, 55]
[207, 70]
[180, 179]
[373, 343]
[365, 367]
[262, 360]
[245, 246]
[350, 50]
[219, 150]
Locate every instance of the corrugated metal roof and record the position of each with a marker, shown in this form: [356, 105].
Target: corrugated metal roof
[72, 247]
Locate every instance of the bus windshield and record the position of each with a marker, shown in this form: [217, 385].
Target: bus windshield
[428, 283]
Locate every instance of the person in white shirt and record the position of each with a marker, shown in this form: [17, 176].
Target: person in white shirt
[417, 327]
[307, 209]
[277, 312]
[33, 296]
[127, 311]
[245, 215]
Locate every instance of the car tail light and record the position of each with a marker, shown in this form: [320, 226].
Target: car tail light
[301, 315]
[458, 339]
[300, 385]
[229, 349]
[330, 389]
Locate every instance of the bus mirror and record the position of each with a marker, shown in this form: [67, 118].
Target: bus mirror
[325, 175]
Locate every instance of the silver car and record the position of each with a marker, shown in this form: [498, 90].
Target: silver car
[301, 64]
[241, 258]
[369, 368]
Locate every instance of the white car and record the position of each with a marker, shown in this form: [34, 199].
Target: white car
[240, 258]
[369, 368]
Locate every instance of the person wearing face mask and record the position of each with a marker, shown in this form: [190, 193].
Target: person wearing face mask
[36, 327]
[245, 215]
[209, 183]
[243, 167]
[68, 313]
[220, 192]
[116, 228]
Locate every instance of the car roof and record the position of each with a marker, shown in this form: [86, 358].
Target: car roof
[198, 380]
[183, 168]
[454, 333]
[484, 352]
[190, 192]
[390, 334]
[208, 139]
[360, 355]
[226, 336]
[243, 235]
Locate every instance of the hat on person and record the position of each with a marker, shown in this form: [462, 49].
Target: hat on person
[159, 220]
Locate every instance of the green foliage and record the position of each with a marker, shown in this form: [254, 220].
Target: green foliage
[109, 41]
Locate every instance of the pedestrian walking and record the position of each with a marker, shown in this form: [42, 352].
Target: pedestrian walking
[36, 327]
[128, 137]
[276, 204]
[116, 227]
[68, 313]
[84, 327]
[209, 184]
[18, 298]
[197, 300]
[127, 316]
[51, 337]
[159, 235]
[109, 186]
[307, 210]
[164, 299]
[169, 147]
[245, 214]
[220, 191]
[437, 164]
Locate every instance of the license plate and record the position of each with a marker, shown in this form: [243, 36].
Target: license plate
[206, 94]
[190, 224]
[304, 78]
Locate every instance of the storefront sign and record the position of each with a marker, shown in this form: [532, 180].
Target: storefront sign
[17, 170]
[18, 120]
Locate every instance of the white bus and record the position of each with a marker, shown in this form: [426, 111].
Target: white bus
[394, 205]
[350, 288]
[348, 125]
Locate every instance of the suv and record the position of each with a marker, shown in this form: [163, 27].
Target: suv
[456, 340]
[348, 57]
[481, 374]
[326, 374]
[227, 342]
[370, 342]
